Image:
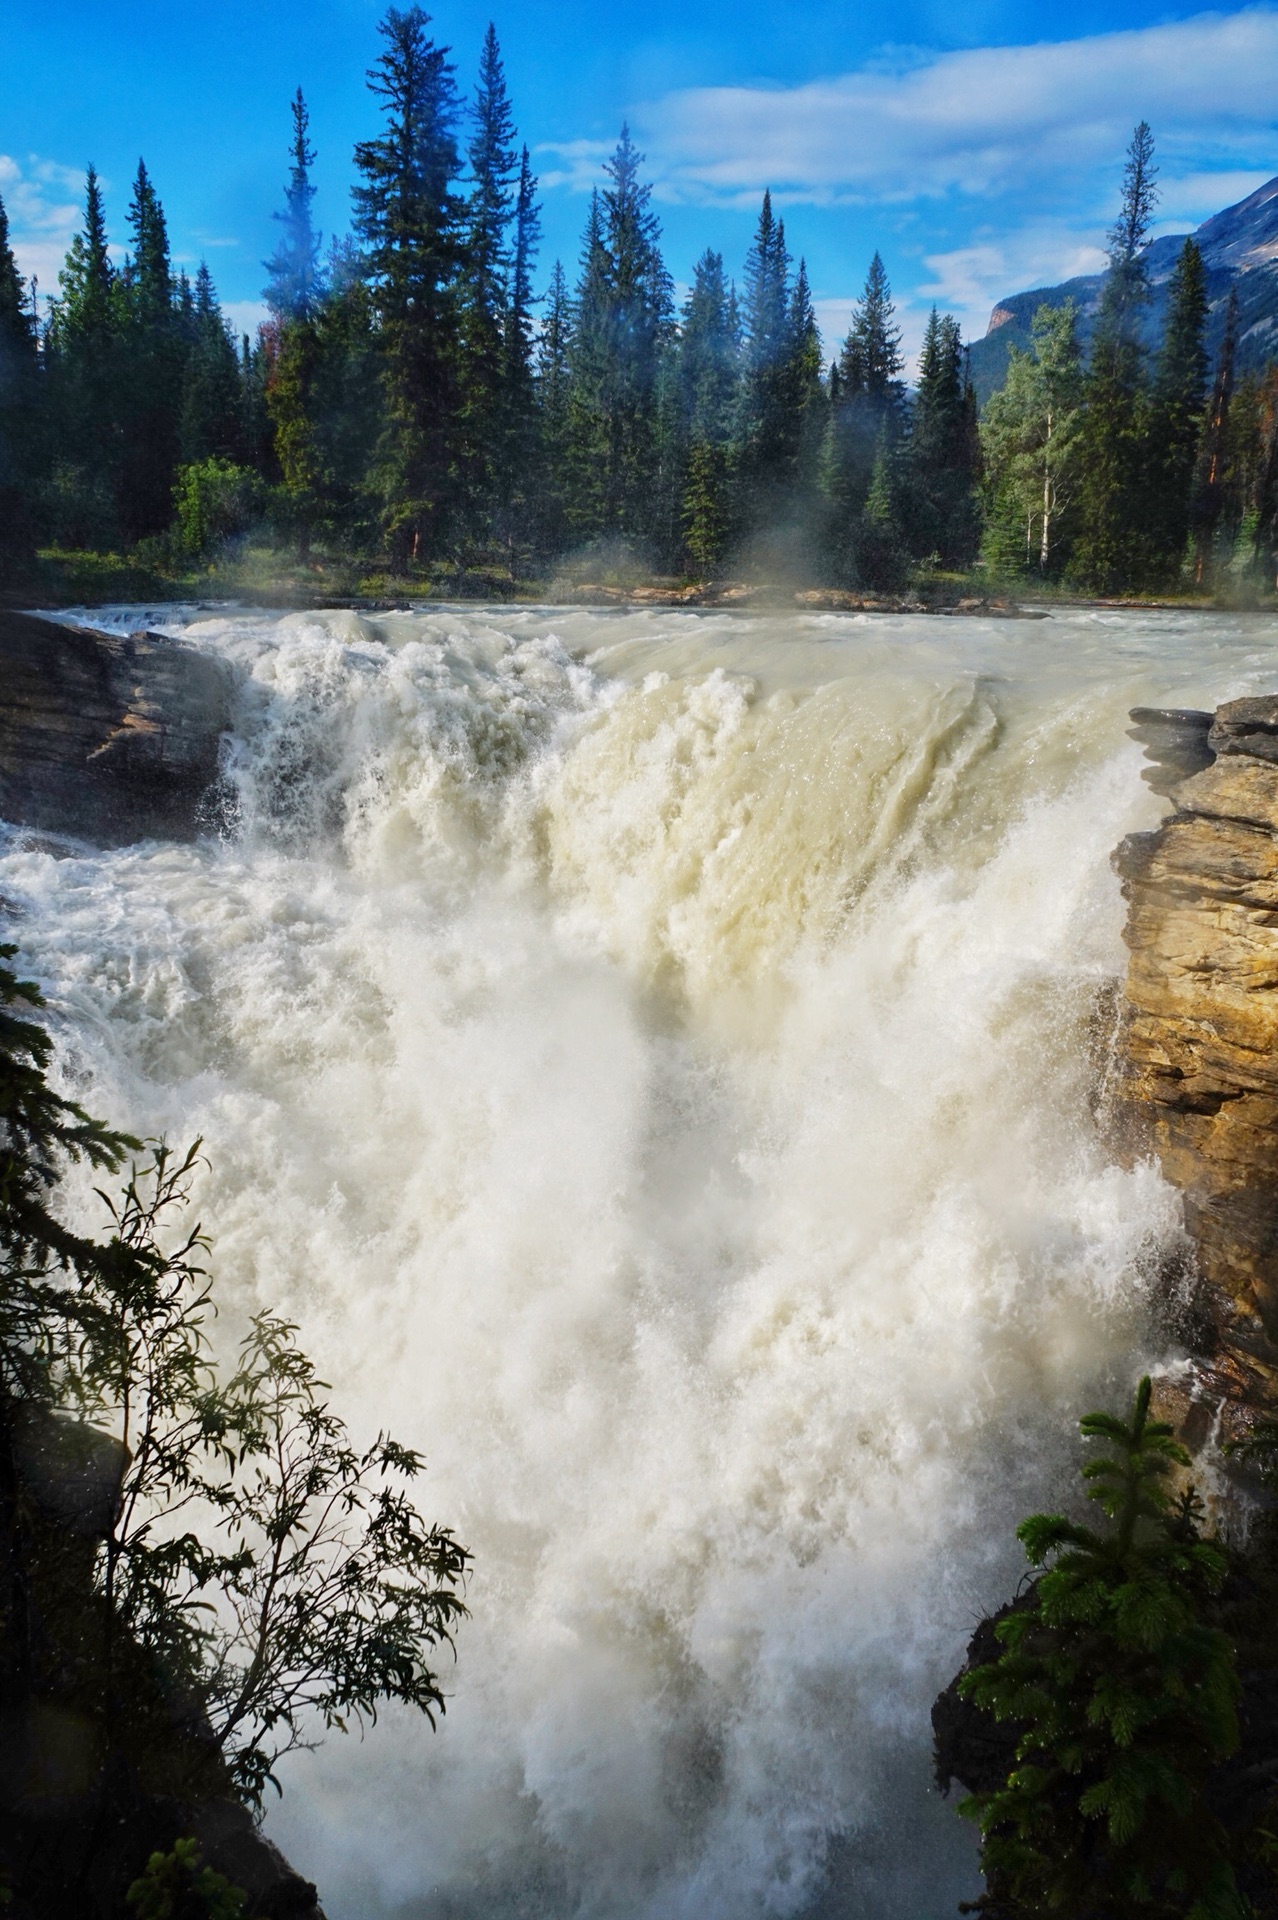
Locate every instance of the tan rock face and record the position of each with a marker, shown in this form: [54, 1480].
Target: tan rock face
[1200, 1034]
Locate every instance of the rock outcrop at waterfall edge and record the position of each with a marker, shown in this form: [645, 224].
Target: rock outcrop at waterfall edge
[111, 737]
[1198, 1051]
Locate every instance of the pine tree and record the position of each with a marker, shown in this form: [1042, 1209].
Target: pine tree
[866, 427]
[1112, 551]
[19, 369]
[1208, 502]
[708, 373]
[765, 427]
[942, 511]
[585, 457]
[517, 444]
[295, 288]
[1126, 1693]
[639, 321]
[1176, 410]
[490, 209]
[212, 404]
[83, 346]
[151, 369]
[1030, 449]
[408, 215]
[552, 378]
[345, 397]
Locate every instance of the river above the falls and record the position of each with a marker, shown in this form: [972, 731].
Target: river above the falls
[653, 1057]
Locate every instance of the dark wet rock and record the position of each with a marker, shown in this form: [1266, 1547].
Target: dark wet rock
[111, 737]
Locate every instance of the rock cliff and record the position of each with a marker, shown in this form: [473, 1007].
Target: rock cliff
[113, 737]
[1198, 1081]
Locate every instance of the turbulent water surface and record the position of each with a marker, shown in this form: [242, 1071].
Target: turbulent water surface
[653, 1056]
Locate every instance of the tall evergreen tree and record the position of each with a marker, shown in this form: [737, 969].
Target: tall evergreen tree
[212, 403]
[1208, 502]
[805, 397]
[943, 509]
[18, 405]
[765, 431]
[552, 377]
[1112, 551]
[152, 357]
[867, 424]
[485, 284]
[295, 287]
[84, 366]
[708, 376]
[345, 400]
[517, 446]
[640, 315]
[408, 216]
[1176, 416]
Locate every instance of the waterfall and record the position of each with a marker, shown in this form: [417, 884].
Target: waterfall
[653, 1057]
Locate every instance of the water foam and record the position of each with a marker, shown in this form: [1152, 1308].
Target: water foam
[650, 1057]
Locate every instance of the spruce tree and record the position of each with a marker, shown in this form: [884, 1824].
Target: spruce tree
[708, 371]
[345, 398]
[552, 377]
[942, 508]
[1207, 505]
[806, 401]
[765, 427]
[151, 369]
[84, 364]
[1176, 410]
[295, 287]
[639, 323]
[866, 428]
[517, 440]
[490, 209]
[1125, 1693]
[1112, 551]
[408, 215]
[19, 395]
[212, 403]
[586, 446]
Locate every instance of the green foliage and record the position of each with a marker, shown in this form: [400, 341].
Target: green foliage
[1030, 447]
[178, 1886]
[258, 1563]
[213, 500]
[1125, 1695]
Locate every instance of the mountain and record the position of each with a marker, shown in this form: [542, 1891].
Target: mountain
[1239, 248]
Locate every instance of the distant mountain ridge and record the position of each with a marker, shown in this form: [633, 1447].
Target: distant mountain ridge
[1239, 247]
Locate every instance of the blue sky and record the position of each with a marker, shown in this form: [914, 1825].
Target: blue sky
[979, 156]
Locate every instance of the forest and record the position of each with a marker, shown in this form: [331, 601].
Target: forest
[423, 399]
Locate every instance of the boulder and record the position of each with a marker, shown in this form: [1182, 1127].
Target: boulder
[110, 737]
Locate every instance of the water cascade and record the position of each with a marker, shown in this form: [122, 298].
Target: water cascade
[654, 1058]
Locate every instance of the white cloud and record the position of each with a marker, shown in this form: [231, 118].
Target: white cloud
[45, 205]
[246, 316]
[982, 122]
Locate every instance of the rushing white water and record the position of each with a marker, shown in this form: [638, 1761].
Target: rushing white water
[653, 1057]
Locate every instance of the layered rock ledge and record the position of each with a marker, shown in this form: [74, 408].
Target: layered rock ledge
[112, 737]
[1198, 1081]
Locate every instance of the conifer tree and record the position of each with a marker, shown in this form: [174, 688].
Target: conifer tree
[639, 320]
[1112, 551]
[485, 290]
[517, 444]
[765, 429]
[83, 346]
[1208, 501]
[408, 215]
[708, 371]
[1176, 410]
[585, 456]
[151, 360]
[212, 406]
[866, 427]
[18, 405]
[1126, 1696]
[806, 398]
[942, 495]
[552, 377]
[295, 287]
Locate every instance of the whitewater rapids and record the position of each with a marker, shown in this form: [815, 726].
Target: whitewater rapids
[654, 1058]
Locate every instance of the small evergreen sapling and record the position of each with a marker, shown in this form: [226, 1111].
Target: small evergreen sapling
[1127, 1697]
